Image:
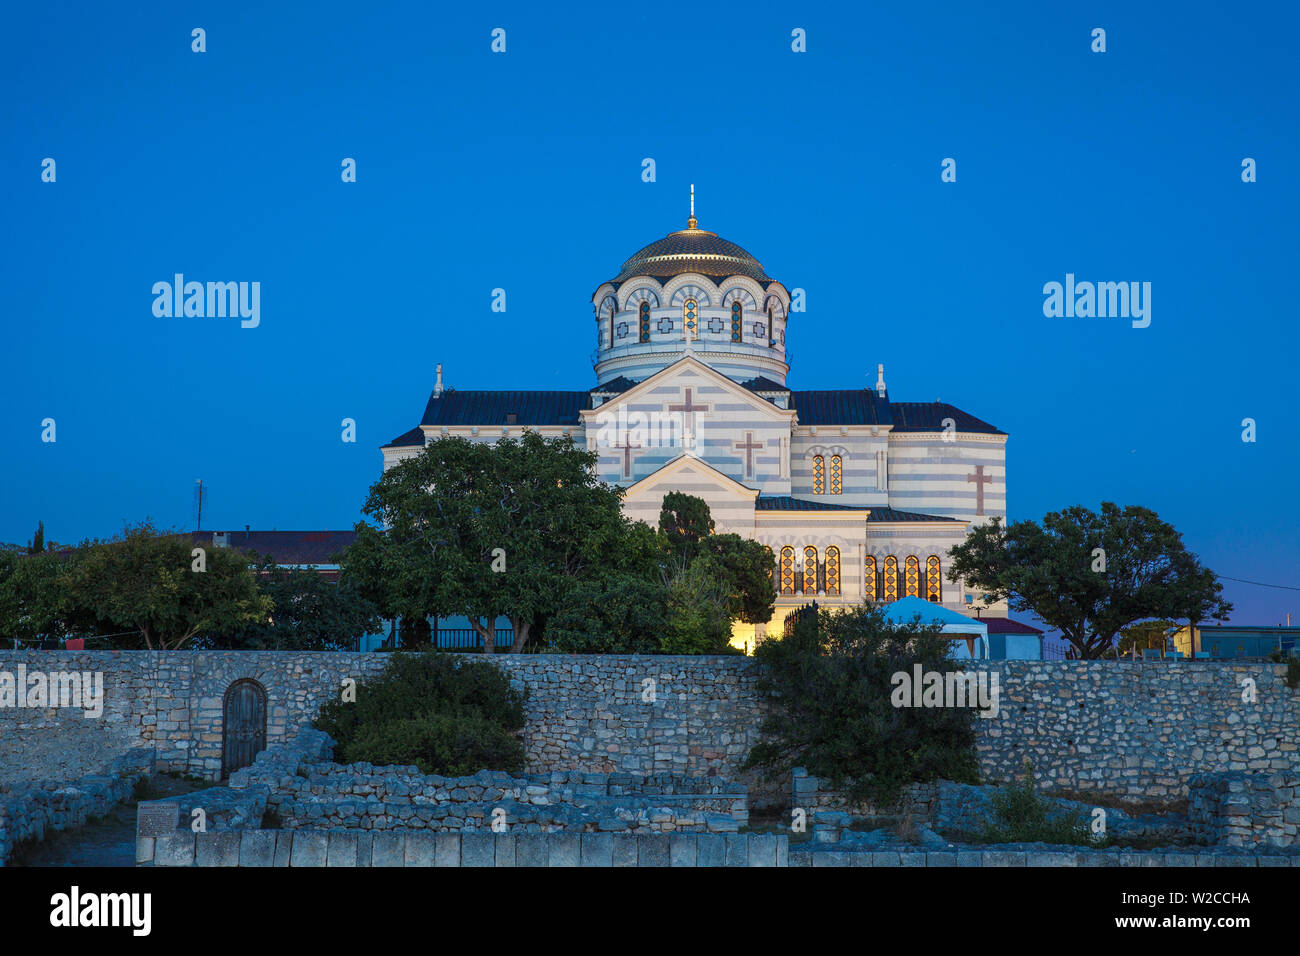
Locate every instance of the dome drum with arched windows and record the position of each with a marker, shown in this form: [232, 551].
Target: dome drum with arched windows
[691, 292]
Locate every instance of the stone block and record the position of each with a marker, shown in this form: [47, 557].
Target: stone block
[652, 850]
[505, 844]
[566, 849]
[310, 848]
[737, 849]
[1051, 858]
[763, 849]
[446, 849]
[597, 849]
[941, 858]
[420, 849]
[710, 849]
[885, 858]
[174, 849]
[283, 847]
[1004, 857]
[478, 849]
[342, 850]
[970, 858]
[532, 849]
[388, 849]
[625, 849]
[144, 850]
[912, 858]
[257, 848]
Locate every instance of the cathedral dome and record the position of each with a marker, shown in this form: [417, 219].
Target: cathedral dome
[692, 250]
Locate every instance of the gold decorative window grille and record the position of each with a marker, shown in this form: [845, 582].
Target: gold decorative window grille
[891, 579]
[912, 577]
[810, 570]
[644, 313]
[819, 475]
[832, 570]
[691, 316]
[837, 474]
[787, 570]
[869, 584]
[933, 585]
[737, 314]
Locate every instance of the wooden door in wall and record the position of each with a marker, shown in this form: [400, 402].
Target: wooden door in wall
[243, 725]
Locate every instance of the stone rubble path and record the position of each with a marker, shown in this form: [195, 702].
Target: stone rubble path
[108, 842]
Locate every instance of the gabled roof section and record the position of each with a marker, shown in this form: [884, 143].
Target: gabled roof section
[1004, 625]
[889, 515]
[681, 462]
[614, 386]
[454, 407]
[790, 503]
[690, 361]
[845, 406]
[414, 437]
[929, 416]
[763, 384]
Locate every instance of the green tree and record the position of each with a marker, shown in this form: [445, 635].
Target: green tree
[36, 595]
[484, 531]
[1090, 574]
[832, 680]
[698, 610]
[308, 613]
[746, 567]
[1145, 635]
[38, 540]
[149, 582]
[684, 521]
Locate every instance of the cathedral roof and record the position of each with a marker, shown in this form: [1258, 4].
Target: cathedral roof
[929, 416]
[843, 406]
[693, 250]
[455, 407]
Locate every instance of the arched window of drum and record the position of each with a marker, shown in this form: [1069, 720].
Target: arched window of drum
[737, 316]
[933, 588]
[787, 570]
[691, 317]
[837, 474]
[771, 327]
[645, 320]
[869, 583]
[912, 577]
[613, 311]
[891, 579]
[832, 570]
[819, 475]
[810, 570]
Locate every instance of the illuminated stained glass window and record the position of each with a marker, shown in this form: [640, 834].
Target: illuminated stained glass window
[870, 581]
[810, 570]
[832, 570]
[933, 588]
[737, 314]
[819, 475]
[645, 321]
[837, 474]
[787, 570]
[691, 316]
[890, 588]
[912, 577]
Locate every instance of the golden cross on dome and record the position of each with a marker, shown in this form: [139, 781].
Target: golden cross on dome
[691, 223]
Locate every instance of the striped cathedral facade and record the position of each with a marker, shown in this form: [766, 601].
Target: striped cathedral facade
[860, 497]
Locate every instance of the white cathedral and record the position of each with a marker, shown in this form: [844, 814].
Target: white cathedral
[860, 497]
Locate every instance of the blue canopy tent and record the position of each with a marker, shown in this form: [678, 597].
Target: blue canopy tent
[975, 634]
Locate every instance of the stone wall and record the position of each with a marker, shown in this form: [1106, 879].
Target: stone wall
[1132, 730]
[350, 848]
[1246, 809]
[31, 811]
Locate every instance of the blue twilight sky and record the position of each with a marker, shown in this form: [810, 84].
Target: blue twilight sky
[523, 171]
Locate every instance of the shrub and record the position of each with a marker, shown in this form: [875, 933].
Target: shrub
[831, 680]
[440, 712]
[1020, 815]
[620, 615]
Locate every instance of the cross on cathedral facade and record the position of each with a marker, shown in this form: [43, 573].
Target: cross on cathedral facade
[868, 492]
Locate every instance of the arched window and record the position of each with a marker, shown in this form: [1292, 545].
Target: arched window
[737, 315]
[837, 474]
[891, 579]
[819, 475]
[787, 570]
[869, 584]
[771, 327]
[832, 570]
[912, 577]
[691, 316]
[933, 587]
[810, 570]
[645, 321]
[613, 311]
